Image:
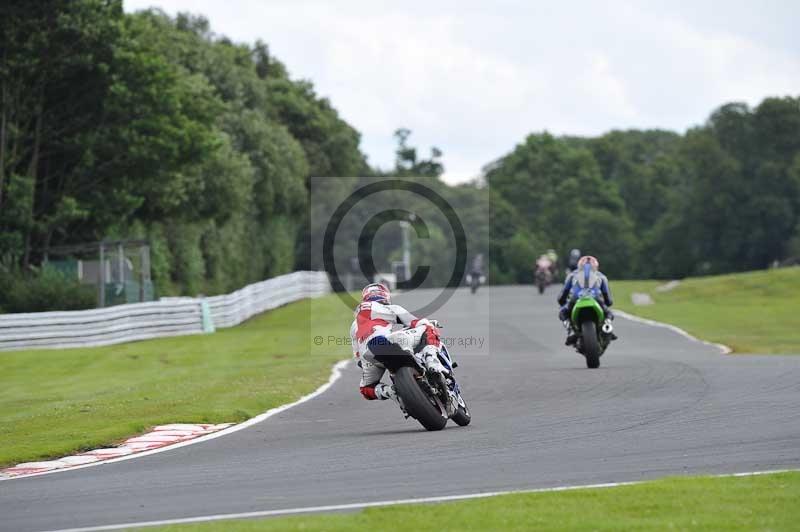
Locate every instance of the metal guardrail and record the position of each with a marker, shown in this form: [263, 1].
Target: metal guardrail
[166, 317]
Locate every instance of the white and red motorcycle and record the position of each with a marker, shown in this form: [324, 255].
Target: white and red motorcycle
[427, 392]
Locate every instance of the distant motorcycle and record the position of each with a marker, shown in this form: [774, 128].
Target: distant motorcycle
[593, 328]
[474, 280]
[543, 279]
[428, 396]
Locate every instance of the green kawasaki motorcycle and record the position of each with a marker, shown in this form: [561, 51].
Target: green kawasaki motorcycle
[593, 329]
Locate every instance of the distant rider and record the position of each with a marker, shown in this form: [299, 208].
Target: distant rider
[545, 264]
[553, 256]
[576, 282]
[372, 330]
[477, 265]
[574, 257]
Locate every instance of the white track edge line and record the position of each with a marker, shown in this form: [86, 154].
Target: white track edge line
[722, 347]
[336, 373]
[376, 504]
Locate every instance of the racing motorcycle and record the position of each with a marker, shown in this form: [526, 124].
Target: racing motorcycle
[543, 279]
[429, 396]
[589, 321]
[474, 280]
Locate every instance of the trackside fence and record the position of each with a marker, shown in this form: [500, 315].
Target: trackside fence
[166, 317]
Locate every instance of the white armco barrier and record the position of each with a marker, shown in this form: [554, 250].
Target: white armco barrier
[167, 317]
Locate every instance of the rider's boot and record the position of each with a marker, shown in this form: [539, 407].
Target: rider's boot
[430, 355]
[385, 391]
[572, 336]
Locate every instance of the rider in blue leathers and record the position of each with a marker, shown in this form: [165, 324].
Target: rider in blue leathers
[573, 286]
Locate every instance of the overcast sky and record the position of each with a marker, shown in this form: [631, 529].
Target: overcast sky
[473, 78]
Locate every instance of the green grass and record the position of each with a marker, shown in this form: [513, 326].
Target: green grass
[56, 402]
[765, 502]
[751, 312]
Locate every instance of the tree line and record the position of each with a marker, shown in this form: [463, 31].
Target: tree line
[116, 125]
[723, 197]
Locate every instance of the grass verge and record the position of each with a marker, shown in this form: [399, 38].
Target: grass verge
[764, 502]
[750, 312]
[56, 402]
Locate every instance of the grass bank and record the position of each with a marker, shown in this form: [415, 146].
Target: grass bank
[765, 502]
[55, 402]
[752, 312]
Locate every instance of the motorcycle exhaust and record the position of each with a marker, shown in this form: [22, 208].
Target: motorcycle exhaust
[607, 327]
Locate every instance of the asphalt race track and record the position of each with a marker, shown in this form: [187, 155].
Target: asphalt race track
[659, 405]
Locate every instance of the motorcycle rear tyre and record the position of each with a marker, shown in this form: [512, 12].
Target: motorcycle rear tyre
[591, 344]
[416, 402]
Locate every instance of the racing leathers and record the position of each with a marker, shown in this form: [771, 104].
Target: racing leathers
[576, 282]
[477, 265]
[544, 263]
[574, 256]
[371, 331]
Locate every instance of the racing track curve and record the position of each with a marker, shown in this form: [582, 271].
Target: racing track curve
[659, 405]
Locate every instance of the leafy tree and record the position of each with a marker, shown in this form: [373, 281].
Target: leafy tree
[558, 190]
[143, 125]
[54, 75]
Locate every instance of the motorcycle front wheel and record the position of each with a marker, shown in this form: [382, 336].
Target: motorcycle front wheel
[591, 344]
[462, 417]
[416, 402]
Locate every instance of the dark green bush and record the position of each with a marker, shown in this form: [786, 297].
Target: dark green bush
[42, 291]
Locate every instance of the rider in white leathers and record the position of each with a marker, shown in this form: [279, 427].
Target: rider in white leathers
[372, 328]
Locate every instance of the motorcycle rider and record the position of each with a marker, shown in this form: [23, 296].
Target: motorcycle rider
[477, 264]
[544, 264]
[574, 285]
[553, 256]
[371, 333]
[574, 257]
[476, 268]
